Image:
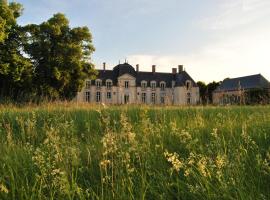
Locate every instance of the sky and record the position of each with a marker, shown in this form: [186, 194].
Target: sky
[213, 39]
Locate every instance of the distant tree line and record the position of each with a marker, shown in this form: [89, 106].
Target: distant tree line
[50, 60]
[206, 91]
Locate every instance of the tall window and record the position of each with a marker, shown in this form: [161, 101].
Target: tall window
[109, 84]
[153, 85]
[126, 84]
[98, 84]
[144, 85]
[188, 98]
[88, 84]
[98, 97]
[87, 96]
[109, 95]
[126, 98]
[143, 97]
[153, 98]
[188, 85]
[162, 99]
[162, 86]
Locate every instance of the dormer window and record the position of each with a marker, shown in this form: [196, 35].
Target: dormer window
[98, 84]
[88, 84]
[109, 84]
[153, 85]
[144, 85]
[162, 86]
[126, 84]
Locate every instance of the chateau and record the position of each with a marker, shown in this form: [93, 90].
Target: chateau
[125, 85]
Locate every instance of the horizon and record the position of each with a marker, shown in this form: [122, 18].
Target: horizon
[213, 40]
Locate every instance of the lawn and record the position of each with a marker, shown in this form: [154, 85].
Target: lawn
[89, 152]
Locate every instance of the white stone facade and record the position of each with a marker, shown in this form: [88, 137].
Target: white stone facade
[125, 89]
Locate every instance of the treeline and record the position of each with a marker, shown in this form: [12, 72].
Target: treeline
[45, 61]
[206, 91]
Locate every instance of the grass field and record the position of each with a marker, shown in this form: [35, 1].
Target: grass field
[84, 152]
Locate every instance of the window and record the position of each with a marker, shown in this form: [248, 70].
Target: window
[98, 84]
[126, 84]
[109, 95]
[98, 97]
[188, 98]
[87, 96]
[162, 86]
[153, 85]
[162, 99]
[88, 84]
[144, 85]
[143, 97]
[153, 98]
[126, 98]
[188, 85]
[109, 84]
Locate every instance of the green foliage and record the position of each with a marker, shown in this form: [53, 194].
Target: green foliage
[206, 91]
[50, 60]
[61, 152]
[61, 56]
[15, 69]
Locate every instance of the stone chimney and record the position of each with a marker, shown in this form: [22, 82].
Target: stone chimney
[104, 66]
[180, 68]
[153, 68]
[137, 68]
[174, 70]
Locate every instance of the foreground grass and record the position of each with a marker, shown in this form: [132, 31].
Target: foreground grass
[81, 152]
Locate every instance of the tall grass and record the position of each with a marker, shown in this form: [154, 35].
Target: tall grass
[81, 152]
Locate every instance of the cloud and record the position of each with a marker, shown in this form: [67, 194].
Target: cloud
[237, 13]
[238, 55]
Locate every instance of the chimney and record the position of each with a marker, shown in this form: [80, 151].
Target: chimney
[174, 70]
[153, 68]
[104, 66]
[137, 68]
[180, 68]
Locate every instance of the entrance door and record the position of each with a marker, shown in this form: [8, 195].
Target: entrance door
[126, 98]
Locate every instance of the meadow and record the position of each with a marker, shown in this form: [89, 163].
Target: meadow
[91, 152]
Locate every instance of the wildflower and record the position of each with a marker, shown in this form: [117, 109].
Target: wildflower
[105, 163]
[173, 158]
[214, 133]
[3, 189]
[220, 161]
[202, 167]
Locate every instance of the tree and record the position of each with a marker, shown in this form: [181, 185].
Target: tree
[203, 88]
[15, 69]
[61, 57]
[210, 89]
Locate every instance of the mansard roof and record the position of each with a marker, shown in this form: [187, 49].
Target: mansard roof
[247, 82]
[121, 69]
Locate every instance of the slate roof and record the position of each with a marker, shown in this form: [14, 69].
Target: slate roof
[121, 69]
[247, 82]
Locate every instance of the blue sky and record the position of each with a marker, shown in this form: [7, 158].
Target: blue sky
[213, 39]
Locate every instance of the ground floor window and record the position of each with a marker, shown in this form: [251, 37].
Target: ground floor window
[87, 96]
[162, 99]
[188, 98]
[109, 95]
[98, 97]
[126, 98]
[143, 97]
[153, 98]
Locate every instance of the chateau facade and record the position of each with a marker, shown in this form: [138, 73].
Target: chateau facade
[125, 85]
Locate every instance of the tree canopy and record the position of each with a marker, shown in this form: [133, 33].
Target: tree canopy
[47, 60]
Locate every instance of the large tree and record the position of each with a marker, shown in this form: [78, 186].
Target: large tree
[15, 69]
[61, 57]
